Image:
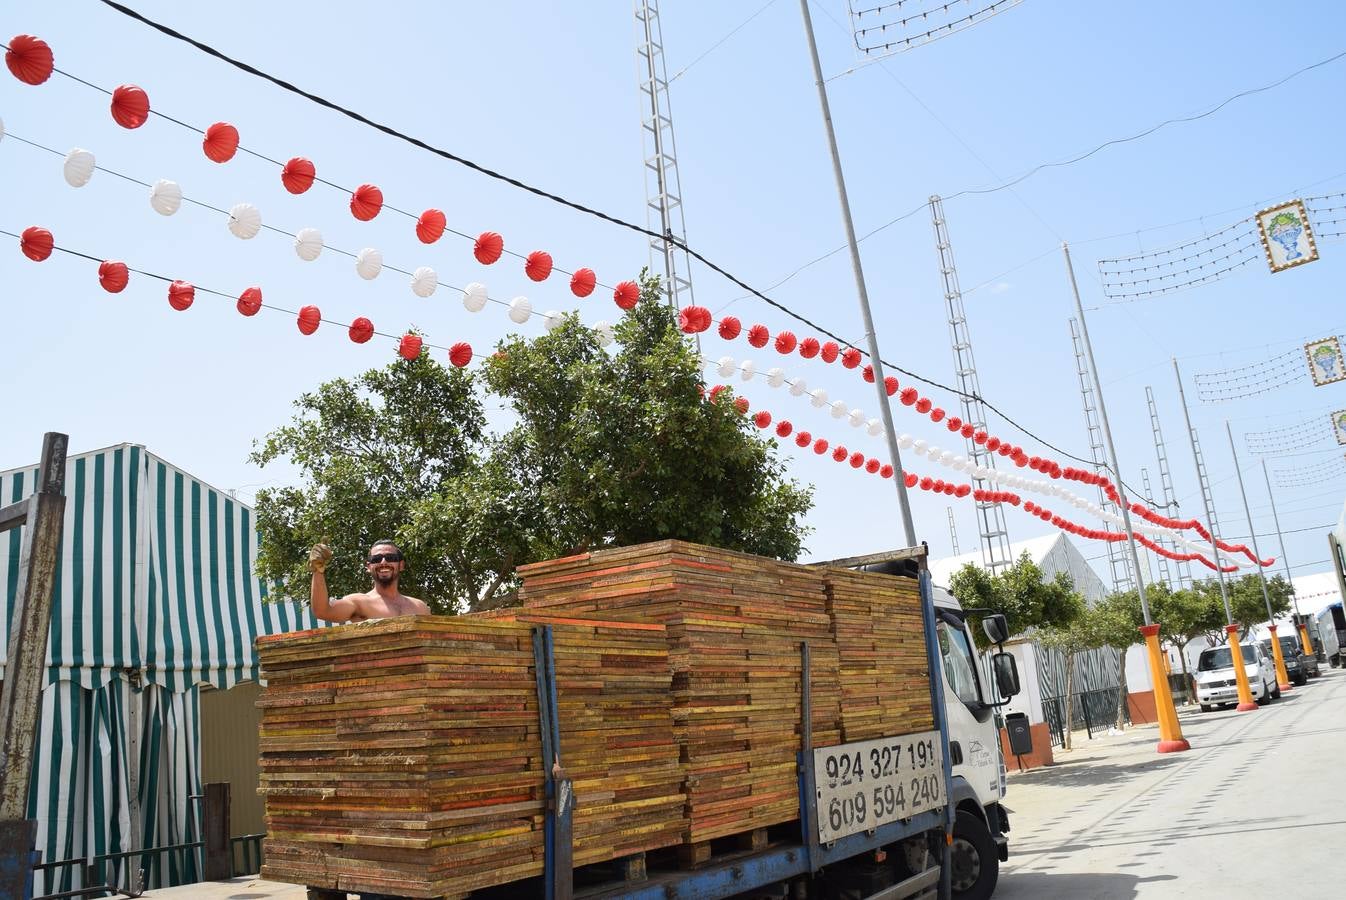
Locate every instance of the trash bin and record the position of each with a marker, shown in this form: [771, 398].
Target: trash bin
[1020, 735]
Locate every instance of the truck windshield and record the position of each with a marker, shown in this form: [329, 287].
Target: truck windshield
[958, 664]
[1218, 658]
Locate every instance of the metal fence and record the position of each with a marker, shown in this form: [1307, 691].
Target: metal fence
[1091, 710]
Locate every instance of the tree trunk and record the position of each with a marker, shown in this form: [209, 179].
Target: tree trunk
[1187, 680]
[1120, 724]
[1070, 687]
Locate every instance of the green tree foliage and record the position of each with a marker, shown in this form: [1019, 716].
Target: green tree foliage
[605, 450]
[1026, 597]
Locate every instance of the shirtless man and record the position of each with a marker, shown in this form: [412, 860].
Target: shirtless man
[383, 601]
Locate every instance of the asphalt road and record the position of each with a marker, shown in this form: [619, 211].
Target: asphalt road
[1256, 809]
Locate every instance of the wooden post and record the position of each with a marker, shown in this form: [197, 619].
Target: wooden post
[21, 698]
[219, 863]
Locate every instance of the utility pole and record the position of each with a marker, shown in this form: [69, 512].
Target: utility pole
[1246, 703]
[1170, 731]
[872, 341]
[1289, 579]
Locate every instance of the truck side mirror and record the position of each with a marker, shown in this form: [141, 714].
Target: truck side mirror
[1006, 673]
[996, 628]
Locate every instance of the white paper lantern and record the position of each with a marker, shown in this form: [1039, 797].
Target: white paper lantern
[727, 366]
[919, 446]
[839, 409]
[165, 197]
[904, 441]
[245, 221]
[798, 387]
[604, 332]
[857, 418]
[819, 398]
[519, 310]
[475, 297]
[874, 427]
[553, 320]
[747, 370]
[78, 167]
[424, 281]
[369, 263]
[932, 453]
[946, 458]
[980, 472]
[308, 244]
[775, 377]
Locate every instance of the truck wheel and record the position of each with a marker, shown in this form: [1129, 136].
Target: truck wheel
[1276, 694]
[975, 863]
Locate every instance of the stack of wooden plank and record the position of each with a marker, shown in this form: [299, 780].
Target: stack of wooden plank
[735, 625]
[617, 742]
[401, 756]
[880, 640]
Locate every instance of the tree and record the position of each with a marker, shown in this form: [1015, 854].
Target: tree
[1183, 616]
[1021, 592]
[1087, 630]
[1118, 620]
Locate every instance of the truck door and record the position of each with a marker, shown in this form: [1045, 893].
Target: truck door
[972, 733]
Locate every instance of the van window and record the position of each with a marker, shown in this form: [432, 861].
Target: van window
[958, 666]
[1218, 658]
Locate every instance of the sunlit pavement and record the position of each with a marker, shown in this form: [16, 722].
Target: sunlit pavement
[1254, 809]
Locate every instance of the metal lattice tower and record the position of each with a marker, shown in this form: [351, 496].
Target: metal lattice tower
[1184, 569]
[1119, 563]
[663, 189]
[995, 548]
[1164, 574]
[953, 532]
[1204, 480]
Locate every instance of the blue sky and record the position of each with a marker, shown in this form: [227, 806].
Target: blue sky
[548, 94]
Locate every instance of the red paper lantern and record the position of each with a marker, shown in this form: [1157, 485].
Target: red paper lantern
[297, 175]
[786, 342]
[872, 465]
[741, 404]
[803, 438]
[758, 335]
[762, 419]
[890, 384]
[830, 352]
[488, 247]
[250, 301]
[993, 443]
[839, 454]
[936, 414]
[783, 428]
[693, 319]
[927, 483]
[954, 423]
[626, 295]
[361, 330]
[867, 373]
[730, 327]
[717, 390]
[820, 446]
[923, 405]
[808, 347]
[410, 346]
[582, 282]
[909, 396]
[460, 354]
[29, 59]
[130, 106]
[366, 202]
[963, 490]
[885, 471]
[858, 459]
[537, 266]
[850, 358]
[938, 486]
[910, 480]
[220, 143]
[113, 276]
[430, 226]
[181, 295]
[36, 243]
[310, 317]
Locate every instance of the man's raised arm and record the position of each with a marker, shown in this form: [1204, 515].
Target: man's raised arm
[325, 608]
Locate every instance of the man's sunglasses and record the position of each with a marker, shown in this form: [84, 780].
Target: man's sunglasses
[376, 558]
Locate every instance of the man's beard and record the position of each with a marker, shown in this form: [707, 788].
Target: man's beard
[385, 580]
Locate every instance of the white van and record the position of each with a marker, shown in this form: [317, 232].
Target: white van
[1216, 680]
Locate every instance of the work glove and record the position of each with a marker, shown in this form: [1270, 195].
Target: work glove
[318, 558]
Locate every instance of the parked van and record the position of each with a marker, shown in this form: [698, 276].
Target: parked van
[1217, 682]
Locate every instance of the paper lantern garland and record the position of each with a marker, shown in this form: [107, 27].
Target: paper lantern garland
[36, 243]
[369, 263]
[366, 202]
[424, 281]
[250, 301]
[113, 276]
[520, 309]
[474, 297]
[430, 226]
[626, 295]
[730, 327]
[130, 106]
[460, 354]
[488, 247]
[361, 330]
[298, 175]
[29, 59]
[308, 244]
[538, 265]
[166, 197]
[582, 282]
[181, 295]
[410, 346]
[220, 143]
[310, 317]
[245, 221]
[78, 168]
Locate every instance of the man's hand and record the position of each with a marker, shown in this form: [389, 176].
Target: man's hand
[318, 558]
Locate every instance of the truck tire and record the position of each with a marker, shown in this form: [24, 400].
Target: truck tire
[975, 862]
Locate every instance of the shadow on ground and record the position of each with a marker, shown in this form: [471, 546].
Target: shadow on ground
[1085, 771]
[1072, 885]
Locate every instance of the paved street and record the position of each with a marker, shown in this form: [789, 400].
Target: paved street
[1253, 810]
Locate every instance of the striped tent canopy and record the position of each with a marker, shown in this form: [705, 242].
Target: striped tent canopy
[154, 595]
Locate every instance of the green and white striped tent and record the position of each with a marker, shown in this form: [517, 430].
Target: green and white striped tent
[155, 595]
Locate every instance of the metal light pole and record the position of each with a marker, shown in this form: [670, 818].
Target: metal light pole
[1282, 676]
[908, 528]
[1299, 619]
[1170, 731]
[1246, 703]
